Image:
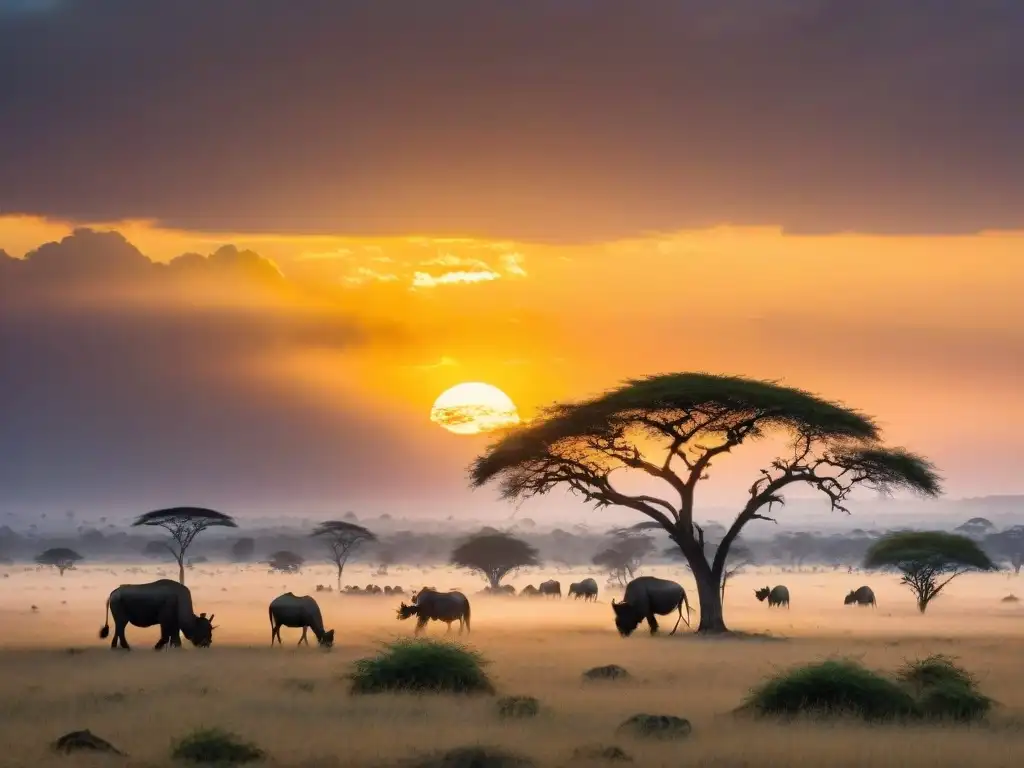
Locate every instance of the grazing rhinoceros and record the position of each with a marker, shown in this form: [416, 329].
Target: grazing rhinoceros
[289, 610]
[164, 602]
[863, 596]
[645, 597]
[587, 589]
[437, 606]
[551, 587]
[777, 595]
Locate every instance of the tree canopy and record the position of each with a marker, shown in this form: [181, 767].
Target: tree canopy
[60, 558]
[695, 418]
[494, 555]
[286, 561]
[1009, 544]
[184, 524]
[927, 560]
[624, 554]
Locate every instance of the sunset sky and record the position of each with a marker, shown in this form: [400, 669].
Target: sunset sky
[387, 199]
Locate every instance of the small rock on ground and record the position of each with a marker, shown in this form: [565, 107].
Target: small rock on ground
[594, 752]
[657, 726]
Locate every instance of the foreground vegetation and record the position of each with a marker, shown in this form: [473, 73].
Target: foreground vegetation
[297, 706]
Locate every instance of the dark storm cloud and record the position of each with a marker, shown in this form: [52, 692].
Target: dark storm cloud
[120, 402]
[531, 119]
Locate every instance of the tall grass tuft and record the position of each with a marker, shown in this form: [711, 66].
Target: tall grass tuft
[422, 666]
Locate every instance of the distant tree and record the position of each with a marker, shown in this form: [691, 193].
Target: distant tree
[494, 555]
[61, 558]
[696, 418]
[795, 548]
[184, 524]
[1008, 544]
[286, 561]
[385, 559]
[927, 560]
[623, 556]
[977, 528]
[243, 549]
[342, 539]
[350, 517]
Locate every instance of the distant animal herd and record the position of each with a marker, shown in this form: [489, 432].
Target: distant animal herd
[168, 604]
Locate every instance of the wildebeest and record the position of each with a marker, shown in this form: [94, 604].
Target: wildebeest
[587, 589]
[862, 596]
[529, 591]
[645, 597]
[550, 587]
[437, 606]
[777, 595]
[290, 610]
[164, 602]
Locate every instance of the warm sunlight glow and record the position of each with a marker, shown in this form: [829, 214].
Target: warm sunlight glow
[474, 407]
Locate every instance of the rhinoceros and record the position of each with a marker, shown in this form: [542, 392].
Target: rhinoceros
[646, 597]
[862, 596]
[289, 610]
[164, 602]
[777, 595]
[587, 589]
[437, 606]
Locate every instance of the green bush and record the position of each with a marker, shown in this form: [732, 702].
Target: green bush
[471, 757]
[831, 688]
[933, 670]
[422, 666]
[212, 746]
[953, 701]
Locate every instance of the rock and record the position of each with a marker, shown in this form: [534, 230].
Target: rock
[518, 706]
[609, 672]
[471, 757]
[84, 741]
[1010, 599]
[594, 752]
[657, 726]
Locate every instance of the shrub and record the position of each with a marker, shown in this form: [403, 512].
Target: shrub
[471, 757]
[518, 706]
[934, 670]
[608, 672]
[831, 688]
[422, 666]
[657, 726]
[953, 701]
[212, 746]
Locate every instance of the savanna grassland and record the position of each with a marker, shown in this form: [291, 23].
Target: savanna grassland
[56, 675]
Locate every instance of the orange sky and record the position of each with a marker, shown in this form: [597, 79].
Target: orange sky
[925, 333]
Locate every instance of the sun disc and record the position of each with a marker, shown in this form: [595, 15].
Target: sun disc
[474, 407]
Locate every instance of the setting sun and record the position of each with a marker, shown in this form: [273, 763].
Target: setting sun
[474, 407]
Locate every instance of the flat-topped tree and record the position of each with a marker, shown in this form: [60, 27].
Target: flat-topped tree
[61, 558]
[342, 539]
[672, 427]
[927, 560]
[494, 555]
[184, 524]
[286, 561]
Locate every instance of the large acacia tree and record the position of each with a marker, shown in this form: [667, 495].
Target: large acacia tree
[184, 524]
[673, 427]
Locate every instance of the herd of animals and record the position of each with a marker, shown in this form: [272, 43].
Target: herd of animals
[168, 603]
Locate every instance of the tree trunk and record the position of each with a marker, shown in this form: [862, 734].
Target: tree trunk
[181, 569]
[709, 593]
[340, 569]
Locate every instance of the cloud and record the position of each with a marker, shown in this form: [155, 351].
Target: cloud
[586, 121]
[144, 397]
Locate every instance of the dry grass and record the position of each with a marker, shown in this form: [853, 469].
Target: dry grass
[294, 703]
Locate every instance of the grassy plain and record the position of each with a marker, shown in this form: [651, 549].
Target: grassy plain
[57, 676]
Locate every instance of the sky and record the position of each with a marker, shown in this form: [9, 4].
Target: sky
[246, 245]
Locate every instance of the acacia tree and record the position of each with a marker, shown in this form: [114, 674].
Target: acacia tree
[184, 524]
[342, 539]
[243, 549]
[286, 561]
[672, 427]
[623, 556]
[494, 555]
[928, 560]
[1008, 544]
[61, 558]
